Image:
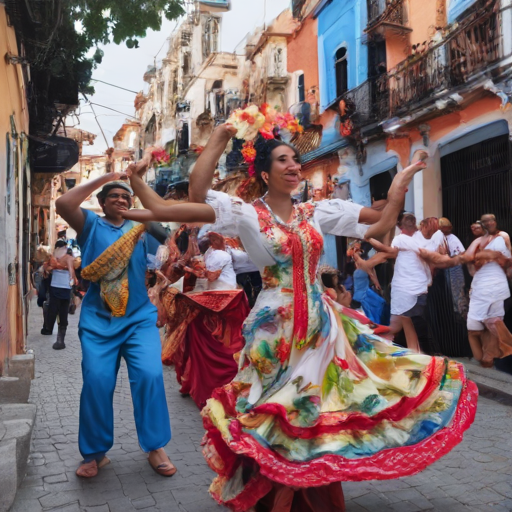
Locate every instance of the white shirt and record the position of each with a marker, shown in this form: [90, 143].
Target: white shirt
[236, 218]
[412, 275]
[241, 261]
[455, 246]
[490, 282]
[431, 244]
[220, 260]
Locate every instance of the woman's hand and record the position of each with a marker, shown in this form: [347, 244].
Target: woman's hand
[118, 175]
[226, 131]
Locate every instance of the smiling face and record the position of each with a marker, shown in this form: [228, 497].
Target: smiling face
[489, 223]
[116, 201]
[285, 172]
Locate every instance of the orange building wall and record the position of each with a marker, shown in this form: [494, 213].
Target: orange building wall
[422, 20]
[12, 102]
[439, 128]
[303, 53]
[395, 50]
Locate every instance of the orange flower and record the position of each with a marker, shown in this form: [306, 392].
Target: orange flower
[248, 152]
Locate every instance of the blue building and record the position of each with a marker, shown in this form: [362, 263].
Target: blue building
[342, 56]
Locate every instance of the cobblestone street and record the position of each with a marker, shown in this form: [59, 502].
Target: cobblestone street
[476, 476]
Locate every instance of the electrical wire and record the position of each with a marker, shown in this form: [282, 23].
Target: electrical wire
[113, 109]
[96, 118]
[116, 86]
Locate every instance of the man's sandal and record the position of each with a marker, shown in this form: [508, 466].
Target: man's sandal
[90, 469]
[166, 469]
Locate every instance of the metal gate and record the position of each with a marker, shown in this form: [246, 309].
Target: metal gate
[477, 180]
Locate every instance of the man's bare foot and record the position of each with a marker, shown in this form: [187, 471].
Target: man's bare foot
[161, 463]
[90, 469]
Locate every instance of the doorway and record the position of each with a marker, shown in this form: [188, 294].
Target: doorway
[476, 180]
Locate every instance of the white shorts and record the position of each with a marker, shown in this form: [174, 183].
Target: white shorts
[481, 310]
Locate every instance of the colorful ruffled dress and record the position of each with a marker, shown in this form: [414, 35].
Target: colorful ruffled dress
[320, 397]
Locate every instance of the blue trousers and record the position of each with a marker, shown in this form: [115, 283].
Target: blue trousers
[140, 346]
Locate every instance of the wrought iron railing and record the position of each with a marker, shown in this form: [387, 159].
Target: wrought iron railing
[357, 104]
[477, 45]
[389, 11]
[473, 46]
[375, 9]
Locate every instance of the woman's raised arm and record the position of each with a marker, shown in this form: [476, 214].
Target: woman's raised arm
[396, 200]
[201, 178]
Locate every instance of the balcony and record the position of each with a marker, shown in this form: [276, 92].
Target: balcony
[476, 45]
[358, 104]
[386, 17]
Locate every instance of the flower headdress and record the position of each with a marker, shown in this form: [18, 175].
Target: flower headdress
[264, 121]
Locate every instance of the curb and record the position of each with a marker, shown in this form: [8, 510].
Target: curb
[491, 383]
[16, 425]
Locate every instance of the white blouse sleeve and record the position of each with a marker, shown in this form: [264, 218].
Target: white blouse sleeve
[234, 217]
[339, 217]
[228, 212]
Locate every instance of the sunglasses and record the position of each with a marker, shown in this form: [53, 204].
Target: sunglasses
[126, 197]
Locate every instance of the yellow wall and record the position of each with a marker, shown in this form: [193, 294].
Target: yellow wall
[13, 103]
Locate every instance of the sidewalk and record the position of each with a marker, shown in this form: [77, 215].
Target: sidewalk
[475, 477]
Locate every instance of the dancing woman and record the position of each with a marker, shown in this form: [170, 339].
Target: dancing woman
[319, 397]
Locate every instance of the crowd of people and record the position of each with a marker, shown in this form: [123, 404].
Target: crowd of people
[443, 298]
[316, 364]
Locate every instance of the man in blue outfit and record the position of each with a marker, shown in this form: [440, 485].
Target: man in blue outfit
[105, 339]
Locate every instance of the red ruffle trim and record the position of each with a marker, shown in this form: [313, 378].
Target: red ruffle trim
[387, 464]
[258, 487]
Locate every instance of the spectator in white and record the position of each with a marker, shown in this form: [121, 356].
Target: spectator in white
[247, 274]
[489, 224]
[219, 264]
[411, 279]
[489, 338]
[429, 236]
[452, 245]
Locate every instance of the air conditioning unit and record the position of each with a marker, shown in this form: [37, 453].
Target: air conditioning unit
[54, 154]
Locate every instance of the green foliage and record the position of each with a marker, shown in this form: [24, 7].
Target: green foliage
[104, 21]
[101, 21]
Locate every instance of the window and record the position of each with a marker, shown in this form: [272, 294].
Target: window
[301, 92]
[341, 67]
[380, 183]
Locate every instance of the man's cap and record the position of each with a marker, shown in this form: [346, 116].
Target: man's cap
[114, 184]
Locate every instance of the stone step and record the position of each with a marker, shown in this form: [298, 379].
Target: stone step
[491, 383]
[16, 425]
[14, 390]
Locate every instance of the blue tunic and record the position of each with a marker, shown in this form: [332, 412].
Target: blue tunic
[105, 339]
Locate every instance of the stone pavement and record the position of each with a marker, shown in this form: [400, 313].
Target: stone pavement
[476, 476]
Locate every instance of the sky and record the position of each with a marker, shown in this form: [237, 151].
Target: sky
[125, 67]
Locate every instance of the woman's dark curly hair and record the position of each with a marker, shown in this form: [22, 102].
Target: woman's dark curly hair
[264, 148]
